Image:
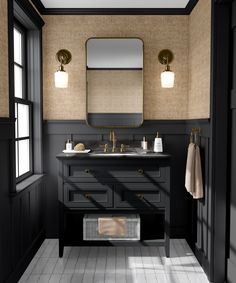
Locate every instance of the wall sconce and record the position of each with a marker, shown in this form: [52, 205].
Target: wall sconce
[167, 76]
[61, 76]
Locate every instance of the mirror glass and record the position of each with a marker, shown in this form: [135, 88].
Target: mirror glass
[114, 82]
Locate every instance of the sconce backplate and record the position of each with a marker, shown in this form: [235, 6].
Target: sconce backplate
[64, 56]
[164, 55]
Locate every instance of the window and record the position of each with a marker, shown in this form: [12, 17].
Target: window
[23, 107]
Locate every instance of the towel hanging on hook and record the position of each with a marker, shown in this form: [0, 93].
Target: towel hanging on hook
[194, 136]
[193, 174]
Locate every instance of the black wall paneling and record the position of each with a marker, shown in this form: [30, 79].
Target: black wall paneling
[115, 11]
[175, 137]
[231, 248]
[27, 227]
[6, 132]
[21, 214]
[201, 214]
[218, 169]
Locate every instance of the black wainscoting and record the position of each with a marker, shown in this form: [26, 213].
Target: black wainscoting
[202, 228]
[175, 137]
[231, 215]
[6, 131]
[21, 214]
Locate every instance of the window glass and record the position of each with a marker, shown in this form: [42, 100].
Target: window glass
[18, 79]
[24, 161]
[23, 120]
[16, 120]
[17, 161]
[23, 108]
[17, 46]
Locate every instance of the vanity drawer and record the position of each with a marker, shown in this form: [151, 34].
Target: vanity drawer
[75, 171]
[88, 195]
[119, 172]
[139, 195]
[138, 172]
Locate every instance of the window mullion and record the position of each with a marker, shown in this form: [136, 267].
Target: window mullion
[19, 65]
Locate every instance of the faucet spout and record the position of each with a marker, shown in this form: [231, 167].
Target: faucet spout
[113, 139]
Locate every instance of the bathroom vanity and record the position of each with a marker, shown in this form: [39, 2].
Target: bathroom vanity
[114, 183]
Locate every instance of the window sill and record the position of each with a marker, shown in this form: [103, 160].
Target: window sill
[28, 182]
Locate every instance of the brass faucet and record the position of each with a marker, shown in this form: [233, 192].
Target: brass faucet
[113, 140]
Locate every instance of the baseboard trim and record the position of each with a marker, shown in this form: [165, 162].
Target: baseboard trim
[231, 271]
[203, 261]
[25, 260]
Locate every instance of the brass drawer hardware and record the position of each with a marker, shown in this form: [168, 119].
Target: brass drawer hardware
[87, 196]
[122, 148]
[87, 171]
[140, 196]
[106, 148]
[140, 170]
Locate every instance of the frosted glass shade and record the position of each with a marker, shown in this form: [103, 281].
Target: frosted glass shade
[61, 79]
[167, 79]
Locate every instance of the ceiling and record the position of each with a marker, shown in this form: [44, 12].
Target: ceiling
[91, 4]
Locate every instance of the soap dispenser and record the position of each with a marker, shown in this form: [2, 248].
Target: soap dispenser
[158, 147]
[68, 144]
[144, 144]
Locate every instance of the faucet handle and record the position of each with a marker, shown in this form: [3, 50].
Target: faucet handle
[106, 147]
[122, 148]
[111, 135]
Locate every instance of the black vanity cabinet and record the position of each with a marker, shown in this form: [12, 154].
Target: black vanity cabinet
[116, 185]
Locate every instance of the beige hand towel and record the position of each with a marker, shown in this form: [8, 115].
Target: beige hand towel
[112, 226]
[189, 174]
[198, 188]
[193, 174]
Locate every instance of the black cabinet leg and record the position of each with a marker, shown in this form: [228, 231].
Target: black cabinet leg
[167, 247]
[61, 250]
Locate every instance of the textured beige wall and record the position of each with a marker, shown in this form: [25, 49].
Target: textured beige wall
[115, 91]
[199, 60]
[157, 32]
[4, 92]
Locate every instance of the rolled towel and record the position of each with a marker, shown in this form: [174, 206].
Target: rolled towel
[190, 169]
[112, 226]
[79, 147]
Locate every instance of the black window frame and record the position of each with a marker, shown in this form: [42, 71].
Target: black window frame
[24, 101]
[24, 13]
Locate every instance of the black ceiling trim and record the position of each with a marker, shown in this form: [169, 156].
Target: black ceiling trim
[191, 4]
[39, 6]
[114, 11]
[29, 11]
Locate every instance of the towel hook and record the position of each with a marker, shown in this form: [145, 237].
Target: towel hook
[195, 134]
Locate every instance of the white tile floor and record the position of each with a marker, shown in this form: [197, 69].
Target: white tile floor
[114, 264]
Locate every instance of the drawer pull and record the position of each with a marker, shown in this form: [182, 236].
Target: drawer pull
[87, 171]
[140, 196]
[140, 171]
[87, 196]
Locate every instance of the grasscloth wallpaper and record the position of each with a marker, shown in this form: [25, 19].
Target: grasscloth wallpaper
[157, 32]
[199, 60]
[187, 36]
[4, 93]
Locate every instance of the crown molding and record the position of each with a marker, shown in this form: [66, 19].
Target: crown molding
[114, 11]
